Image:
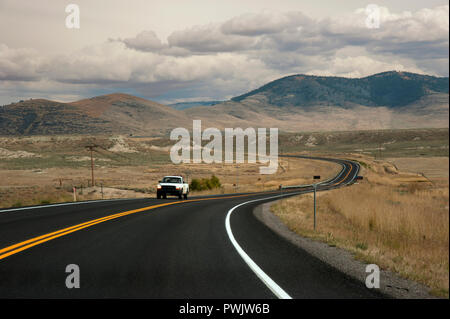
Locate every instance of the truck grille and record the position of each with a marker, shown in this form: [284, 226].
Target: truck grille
[168, 188]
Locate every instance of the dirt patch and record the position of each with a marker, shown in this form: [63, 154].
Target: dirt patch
[121, 146]
[4, 153]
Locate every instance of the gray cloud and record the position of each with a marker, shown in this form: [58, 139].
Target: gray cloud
[419, 35]
[264, 23]
[19, 64]
[209, 38]
[241, 53]
[144, 41]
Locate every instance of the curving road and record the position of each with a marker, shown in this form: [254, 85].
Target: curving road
[204, 247]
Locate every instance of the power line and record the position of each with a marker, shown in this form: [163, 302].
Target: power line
[96, 148]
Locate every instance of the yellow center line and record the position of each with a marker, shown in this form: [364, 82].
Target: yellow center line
[13, 249]
[343, 179]
[24, 245]
[21, 246]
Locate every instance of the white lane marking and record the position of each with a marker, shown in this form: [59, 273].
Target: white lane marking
[272, 285]
[66, 204]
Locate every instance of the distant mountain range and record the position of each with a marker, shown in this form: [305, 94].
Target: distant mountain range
[391, 89]
[295, 103]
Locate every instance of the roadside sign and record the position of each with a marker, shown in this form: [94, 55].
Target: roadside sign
[315, 189]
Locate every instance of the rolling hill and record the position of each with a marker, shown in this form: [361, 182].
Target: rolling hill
[390, 89]
[106, 114]
[389, 100]
[44, 117]
[133, 114]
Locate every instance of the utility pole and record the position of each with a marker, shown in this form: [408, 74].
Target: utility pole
[74, 189]
[91, 148]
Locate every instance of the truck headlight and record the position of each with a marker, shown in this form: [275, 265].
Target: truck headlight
[158, 187]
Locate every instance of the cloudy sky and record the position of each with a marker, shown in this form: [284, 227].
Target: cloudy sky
[185, 50]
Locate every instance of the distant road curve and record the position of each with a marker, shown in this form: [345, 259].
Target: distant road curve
[204, 247]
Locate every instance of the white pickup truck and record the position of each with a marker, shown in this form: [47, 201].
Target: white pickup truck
[172, 185]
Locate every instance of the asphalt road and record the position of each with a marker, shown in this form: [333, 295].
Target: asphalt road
[149, 248]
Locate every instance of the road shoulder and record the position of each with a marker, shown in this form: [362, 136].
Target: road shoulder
[390, 283]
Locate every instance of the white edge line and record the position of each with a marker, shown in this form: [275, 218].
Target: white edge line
[272, 285]
[66, 204]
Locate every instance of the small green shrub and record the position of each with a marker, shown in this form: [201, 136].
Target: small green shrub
[215, 182]
[194, 185]
[17, 204]
[204, 183]
[362, 246]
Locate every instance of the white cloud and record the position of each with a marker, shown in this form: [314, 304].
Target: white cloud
[414, 34]
[239, 54]
[19, 64]
[208, 38]
[266, 22]
[145, 41]
[110, 62]
[361, 66]
[421, 34]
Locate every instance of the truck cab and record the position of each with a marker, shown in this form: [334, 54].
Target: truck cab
[172, 185]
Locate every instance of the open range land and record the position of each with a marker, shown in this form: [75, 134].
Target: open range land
[41, 169]
[396, 217]
[399, 219]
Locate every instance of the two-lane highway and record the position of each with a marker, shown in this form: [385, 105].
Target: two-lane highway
[204, 247]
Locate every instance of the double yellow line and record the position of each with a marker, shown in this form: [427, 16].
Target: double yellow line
[24, 245]
[348, 173]
[16, 248]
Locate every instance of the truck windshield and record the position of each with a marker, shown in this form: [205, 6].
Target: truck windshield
[171, 180]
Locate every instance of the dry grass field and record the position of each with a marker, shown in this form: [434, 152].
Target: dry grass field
[396, 219]
[35, 170]
[433, 168]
